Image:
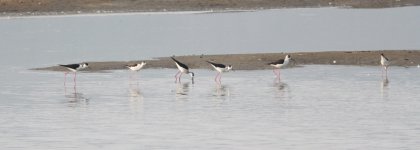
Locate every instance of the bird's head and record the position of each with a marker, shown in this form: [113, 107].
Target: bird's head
[229, 67]
[84, 65]
[142, 64]
[191, 74]
[192, 77]
[287, 58]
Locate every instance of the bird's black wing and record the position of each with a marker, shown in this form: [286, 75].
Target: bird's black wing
[72, 66]
[131, 65]
[281, 61]
[180, 64]
[386, 58]
[217, 65]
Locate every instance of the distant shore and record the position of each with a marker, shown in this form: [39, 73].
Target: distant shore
[403, 58]
[60, 7]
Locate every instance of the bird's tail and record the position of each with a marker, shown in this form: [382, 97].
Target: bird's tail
[175, 59]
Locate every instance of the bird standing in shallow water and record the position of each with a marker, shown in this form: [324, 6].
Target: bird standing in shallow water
[183, 69]
[220, 68]
[136, 67]
[74, 68]
[384, 65]
[278, 64]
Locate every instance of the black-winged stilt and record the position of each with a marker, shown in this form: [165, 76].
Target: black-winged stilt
[74, 68]
[278, 64]
[220, 68]
[136, 67]
[385, 64]
[182, 69]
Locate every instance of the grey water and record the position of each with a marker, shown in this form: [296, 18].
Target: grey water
[142, 36]
[312, 107]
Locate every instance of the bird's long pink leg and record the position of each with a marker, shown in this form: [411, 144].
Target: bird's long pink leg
[65, 78]
[215, 78]
[220, 78]
[278, 75]
[276, 72]
[179, 78]
[382, 70]
[176, 76]
[74, 78]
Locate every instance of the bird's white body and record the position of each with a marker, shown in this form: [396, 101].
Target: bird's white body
[279, 64]
[220, 68]
[226, 69]
[286, 62]
[181, 69]
[136, 67]
[75, 69]
[384, 62]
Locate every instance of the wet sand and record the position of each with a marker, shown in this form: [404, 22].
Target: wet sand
[402, 58]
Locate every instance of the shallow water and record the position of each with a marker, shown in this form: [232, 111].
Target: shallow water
[313, 107]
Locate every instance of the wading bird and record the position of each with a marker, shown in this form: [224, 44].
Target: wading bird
[384, 65]
[74, 68]
[278, 64]
[136, 67]
[220, 68]
[183, 69]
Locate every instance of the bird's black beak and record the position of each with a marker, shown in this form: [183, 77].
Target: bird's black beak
[192, 80]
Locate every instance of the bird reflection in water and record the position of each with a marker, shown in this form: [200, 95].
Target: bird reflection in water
[281, 88]
[384, 87]
[182, 88]
[221, 91]
[135, 97]
[74, 97]
[134, 92]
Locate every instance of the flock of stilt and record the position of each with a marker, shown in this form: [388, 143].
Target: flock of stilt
[220, 68]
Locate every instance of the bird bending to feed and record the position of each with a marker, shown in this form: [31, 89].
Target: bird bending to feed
[183, 69]
[74, 68]
[220, 68]
[385, 64]
[278, 64]
[136, 67]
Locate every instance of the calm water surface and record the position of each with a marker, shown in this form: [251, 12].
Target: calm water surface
[313, 107]
[140, 36]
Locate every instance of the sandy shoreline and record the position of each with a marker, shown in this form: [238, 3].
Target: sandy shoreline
[60, 7]
[403, 58]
